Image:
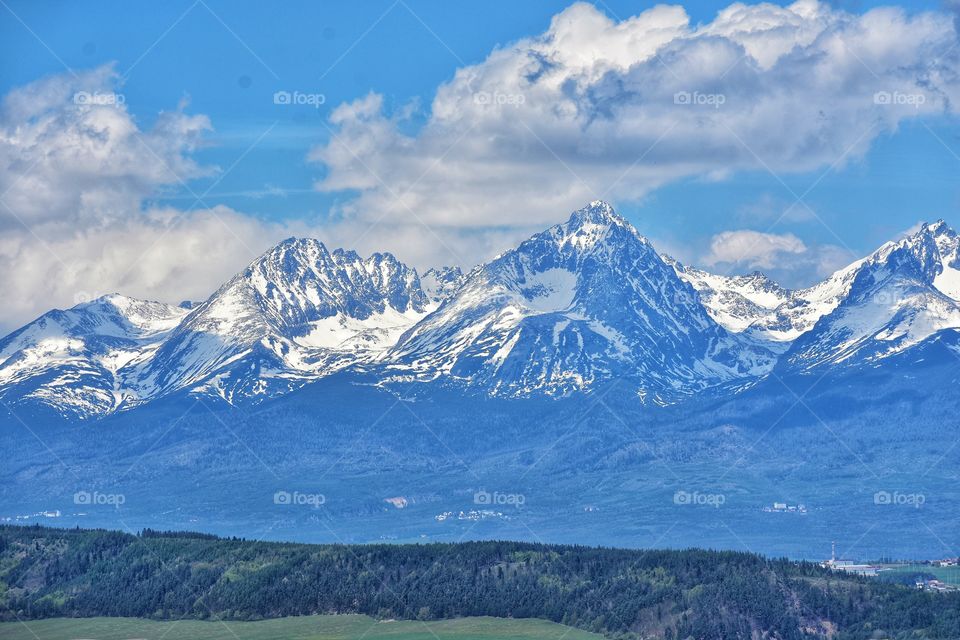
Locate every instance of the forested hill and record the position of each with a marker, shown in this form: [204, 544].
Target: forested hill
[47, 572]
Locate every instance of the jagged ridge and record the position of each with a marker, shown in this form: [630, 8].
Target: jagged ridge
[583, 303]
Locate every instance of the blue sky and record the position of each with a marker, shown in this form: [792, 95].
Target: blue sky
[225, 60]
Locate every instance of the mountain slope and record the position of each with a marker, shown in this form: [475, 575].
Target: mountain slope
[581, 303]
[734, 302]
[75, 361]
[440, 283]
[758, 307]
[899, 296]
[298, 312]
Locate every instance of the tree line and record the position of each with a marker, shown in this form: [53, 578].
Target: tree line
[622, 593]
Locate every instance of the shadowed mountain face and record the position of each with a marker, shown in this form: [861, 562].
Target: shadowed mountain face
[601, 469]
[580, 305]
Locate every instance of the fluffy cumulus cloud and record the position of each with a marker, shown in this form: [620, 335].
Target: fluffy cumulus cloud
[71, 153]
[75, 172]
[592, 108]
[784, 257]
[753, 248]
[598, 107]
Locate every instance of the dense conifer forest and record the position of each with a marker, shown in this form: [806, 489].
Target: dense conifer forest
[47, 572]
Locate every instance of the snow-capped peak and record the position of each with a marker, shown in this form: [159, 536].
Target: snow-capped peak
[130, 316]
[597, 212]
[586, 301]
[758, 307]
[935, 248]
[937, 228]
[592, 225]
[74, 361]
[580, 303]
[898, 296]
[736, 302]
[298, 312]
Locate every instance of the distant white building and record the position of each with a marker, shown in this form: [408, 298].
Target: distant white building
[783, 507]
[935, 585]
[848, 566]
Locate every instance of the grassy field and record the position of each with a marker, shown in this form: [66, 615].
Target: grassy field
[949, 575]
[343, 627]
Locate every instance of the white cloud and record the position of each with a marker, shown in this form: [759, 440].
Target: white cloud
[75, 170]
[753, 249]
[159, 255]
[587, 109]
[70, 151]
[784, 257]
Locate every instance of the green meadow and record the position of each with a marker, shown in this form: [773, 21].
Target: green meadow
[339, 627]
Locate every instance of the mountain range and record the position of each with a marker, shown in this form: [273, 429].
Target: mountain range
[579, 305]
[623, 397]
